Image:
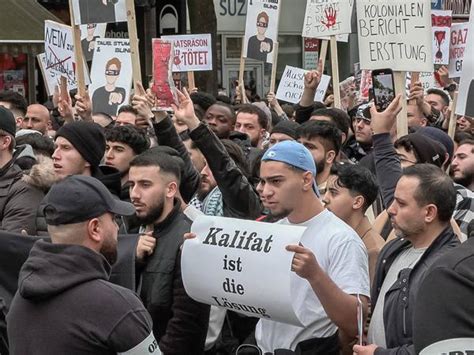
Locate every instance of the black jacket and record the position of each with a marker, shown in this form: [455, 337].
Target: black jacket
[400, 299]
[19, 200]
[179, 323]
[167, 136]
[65, 305]
[444, 306]
[240, 200]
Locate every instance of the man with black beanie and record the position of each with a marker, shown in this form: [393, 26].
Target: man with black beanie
[80, 147]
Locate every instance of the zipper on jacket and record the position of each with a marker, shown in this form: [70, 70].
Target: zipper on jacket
[404, 322]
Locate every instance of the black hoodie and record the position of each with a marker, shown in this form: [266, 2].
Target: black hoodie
[65, 305]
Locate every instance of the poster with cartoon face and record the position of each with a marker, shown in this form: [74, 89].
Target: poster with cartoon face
[89, 34]
[261, 29]
[99, 11]
[112, 82]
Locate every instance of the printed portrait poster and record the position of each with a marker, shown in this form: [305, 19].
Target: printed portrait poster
[163, 83]
[59, 53]
[111, 74]
[395, 34]
[457, 49]
[89, 34]
[99, 11]
[328, 18]
[242, 266]
[261, 29]
[441, 29]
[191, 52]
[465, 104]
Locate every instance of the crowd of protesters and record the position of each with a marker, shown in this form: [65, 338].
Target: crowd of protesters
[388, 220]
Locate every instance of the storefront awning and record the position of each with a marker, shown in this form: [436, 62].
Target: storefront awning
[22, 26]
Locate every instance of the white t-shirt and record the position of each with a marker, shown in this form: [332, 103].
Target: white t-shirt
[342, 255]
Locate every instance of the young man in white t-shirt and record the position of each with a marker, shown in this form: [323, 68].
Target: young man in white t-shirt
[330, 265]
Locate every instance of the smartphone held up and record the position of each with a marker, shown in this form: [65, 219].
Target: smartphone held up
[383, 87]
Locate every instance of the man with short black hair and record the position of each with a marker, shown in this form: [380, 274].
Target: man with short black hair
[179, 322]
[15, 102]
[220, 118]
[126, 115]
[351, 191]
[252, 121]
[462, 166]
[323, 140]
[63, 286]
[423, 204]
[123, 143]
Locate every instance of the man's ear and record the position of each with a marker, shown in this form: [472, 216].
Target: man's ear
[308, 180]
[94, 230]
[171, 189]
[358, 202]
[330, 157]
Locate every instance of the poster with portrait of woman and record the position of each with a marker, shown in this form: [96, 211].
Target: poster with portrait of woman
[261, 29]
[112, 82]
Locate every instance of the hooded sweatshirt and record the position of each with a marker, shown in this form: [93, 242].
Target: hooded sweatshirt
[65, 305]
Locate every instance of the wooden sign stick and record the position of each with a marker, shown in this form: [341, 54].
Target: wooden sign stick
[323, 54]
[191, 82]
[243, 96]
[402, 119]
[78, 56]
[133, 36]
[452, 116]
[274, 67]
[335, 73]
[415, 76]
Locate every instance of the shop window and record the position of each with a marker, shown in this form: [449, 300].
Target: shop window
[13, 73]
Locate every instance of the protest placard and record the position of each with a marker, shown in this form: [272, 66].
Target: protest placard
[261, 29]
[310, 53]
[344, 37]
[111, 68]
[49, 81]
[163, 84]
[441, 29]
[395, 34]
[242, 266]
[292, 85]
[327, 18]
[465, 104]
[427, 80]
[89, 33]
[191, 52]
[99, 11]
[457, 49]
[59, 52]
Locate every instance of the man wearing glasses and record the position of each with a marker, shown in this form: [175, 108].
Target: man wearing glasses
[109, 97]
[259, 46]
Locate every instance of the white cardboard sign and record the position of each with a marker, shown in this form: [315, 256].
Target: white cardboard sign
[191, 52]
[326, 18]
[441, 29]
[465, 104]
[89, 33]
[459, 33]
[111, 68]
[261, 29]
[395, 34]
[241, 266]
[292, 85]
[99, 11]
[59, 52]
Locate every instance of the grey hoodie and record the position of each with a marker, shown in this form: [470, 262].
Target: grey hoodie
[65, 305]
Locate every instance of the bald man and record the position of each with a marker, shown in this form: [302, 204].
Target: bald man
[37, 118]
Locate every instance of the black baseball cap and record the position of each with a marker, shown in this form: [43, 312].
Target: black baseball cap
[79, 198]
[7, 121]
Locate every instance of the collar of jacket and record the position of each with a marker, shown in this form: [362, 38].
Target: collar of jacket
[6, 167]
[159, 227]
[396, 246]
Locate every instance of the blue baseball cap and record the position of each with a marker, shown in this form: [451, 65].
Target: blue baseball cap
[294, 154]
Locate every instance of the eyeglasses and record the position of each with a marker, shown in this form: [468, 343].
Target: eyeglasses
[112, 72]
[262, 24]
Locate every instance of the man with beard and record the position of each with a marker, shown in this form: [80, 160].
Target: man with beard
[462, 166]
[421, 211]
[179, 322]
[63, 286]
[323, 140]
[330, 264]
